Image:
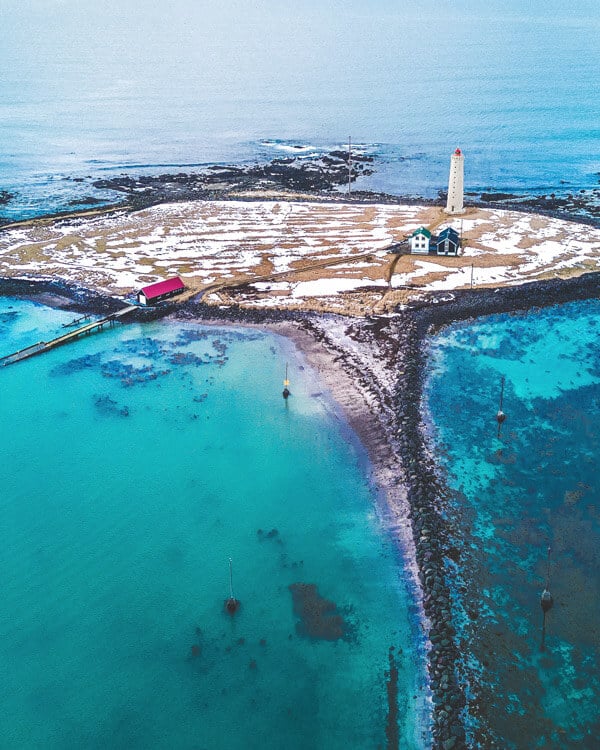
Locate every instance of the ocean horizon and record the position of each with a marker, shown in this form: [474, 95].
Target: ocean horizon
[88, 94]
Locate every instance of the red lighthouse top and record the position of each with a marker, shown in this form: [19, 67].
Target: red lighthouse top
[458, 152]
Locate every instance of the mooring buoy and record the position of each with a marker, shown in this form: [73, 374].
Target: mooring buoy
[286, 382]
[546, 602]
[231, 603]
[501, 416]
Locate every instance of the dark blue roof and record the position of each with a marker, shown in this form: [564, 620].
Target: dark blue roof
[449, 233]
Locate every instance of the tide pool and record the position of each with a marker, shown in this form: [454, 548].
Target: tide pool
[535, 487]
[136, 463]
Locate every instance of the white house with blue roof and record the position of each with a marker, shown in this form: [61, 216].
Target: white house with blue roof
[420, 241]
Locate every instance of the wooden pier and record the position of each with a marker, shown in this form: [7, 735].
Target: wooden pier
[66, 338]
[77, 321]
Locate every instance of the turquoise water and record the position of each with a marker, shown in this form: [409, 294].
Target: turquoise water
[136, 462]
[537, 486]
[92, 89]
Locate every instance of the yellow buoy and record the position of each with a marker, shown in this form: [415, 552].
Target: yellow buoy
[286, 382]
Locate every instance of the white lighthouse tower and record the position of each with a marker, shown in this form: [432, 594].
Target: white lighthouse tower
[456, 183]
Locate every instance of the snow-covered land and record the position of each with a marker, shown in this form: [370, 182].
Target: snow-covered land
[293, 252]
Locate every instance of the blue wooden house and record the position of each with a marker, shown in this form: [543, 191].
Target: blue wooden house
[448, 242]
[422, 242]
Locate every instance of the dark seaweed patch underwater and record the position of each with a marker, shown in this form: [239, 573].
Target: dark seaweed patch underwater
[143, 359]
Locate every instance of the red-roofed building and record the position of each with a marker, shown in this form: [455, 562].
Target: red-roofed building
[154, 293]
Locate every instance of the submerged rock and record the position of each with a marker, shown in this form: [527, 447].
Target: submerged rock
[87, 362]
[109, 407]
[130, 374]
[320, 618]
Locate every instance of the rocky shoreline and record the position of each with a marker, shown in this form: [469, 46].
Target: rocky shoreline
[303, 177]
[582, 206]
[384, 359]
[316, 175]
[321, 178]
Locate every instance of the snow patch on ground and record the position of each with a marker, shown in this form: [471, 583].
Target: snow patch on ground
[327, 287]
[224, 241]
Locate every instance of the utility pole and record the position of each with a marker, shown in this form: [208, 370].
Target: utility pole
[349, 165]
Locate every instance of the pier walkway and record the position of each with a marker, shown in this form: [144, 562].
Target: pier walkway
[44, 346]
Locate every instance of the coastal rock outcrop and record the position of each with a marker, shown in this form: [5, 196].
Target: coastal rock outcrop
[319, 174]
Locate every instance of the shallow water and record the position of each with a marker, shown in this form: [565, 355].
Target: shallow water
[537, 486]
[137, 461]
